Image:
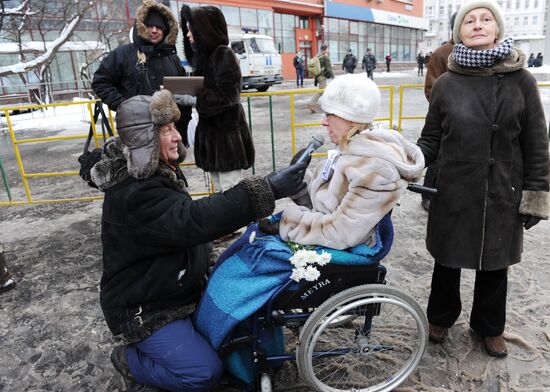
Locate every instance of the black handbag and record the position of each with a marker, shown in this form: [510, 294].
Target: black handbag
[89, 158]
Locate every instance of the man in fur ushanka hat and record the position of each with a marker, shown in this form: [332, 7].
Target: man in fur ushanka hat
[156, 247]
[138, 68]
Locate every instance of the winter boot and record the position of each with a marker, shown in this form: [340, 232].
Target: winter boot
[6, 281]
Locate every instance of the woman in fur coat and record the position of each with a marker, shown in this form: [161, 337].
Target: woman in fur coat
[223, 142]
[362, 179]
[486, 128]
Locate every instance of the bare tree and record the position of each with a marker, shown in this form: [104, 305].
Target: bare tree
[39, 15]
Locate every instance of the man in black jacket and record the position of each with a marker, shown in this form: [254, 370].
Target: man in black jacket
[138, 68]
[156, 245]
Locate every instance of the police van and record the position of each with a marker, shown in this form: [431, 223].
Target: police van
[261, 64]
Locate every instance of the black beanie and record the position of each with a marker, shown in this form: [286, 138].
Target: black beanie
[155, 18]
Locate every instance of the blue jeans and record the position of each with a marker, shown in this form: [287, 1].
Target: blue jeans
[175, 358]
[300, 77]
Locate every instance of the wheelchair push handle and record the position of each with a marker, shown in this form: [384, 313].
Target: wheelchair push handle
[424, 190]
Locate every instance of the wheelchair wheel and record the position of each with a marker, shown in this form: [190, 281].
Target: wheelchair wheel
[378, 347]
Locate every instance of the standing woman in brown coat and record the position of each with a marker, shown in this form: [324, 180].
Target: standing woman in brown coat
[486, 128]
[223, 142]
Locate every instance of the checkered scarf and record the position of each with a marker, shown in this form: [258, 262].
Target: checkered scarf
[472, 58]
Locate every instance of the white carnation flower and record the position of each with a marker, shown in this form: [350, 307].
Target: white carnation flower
[299, 259]
[311, 273]
[252, 237]
[324, 258]
[297, 274]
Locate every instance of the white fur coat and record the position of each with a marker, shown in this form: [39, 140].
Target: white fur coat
[369, 177]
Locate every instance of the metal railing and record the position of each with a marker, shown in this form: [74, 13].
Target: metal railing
[25, 176]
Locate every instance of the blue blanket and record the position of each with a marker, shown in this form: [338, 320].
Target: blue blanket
[248, 274]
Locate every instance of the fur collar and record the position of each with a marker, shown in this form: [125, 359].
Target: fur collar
[514, 62]
[171, 36]
[112, 169]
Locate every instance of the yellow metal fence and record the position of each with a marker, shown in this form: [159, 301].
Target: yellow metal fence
[294, 126]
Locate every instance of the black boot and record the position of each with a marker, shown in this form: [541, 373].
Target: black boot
[6, 281]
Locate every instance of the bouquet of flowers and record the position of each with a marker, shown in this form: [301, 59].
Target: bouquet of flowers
[304, 259]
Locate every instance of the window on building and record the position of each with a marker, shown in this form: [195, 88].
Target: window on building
[536, 5]
[441, 10]
[231, 15]
[535, 20]
[525, 20]
[516, 21]
[265, 22]
[450, 9]
[249, 17]
[527, 3]
[517, 4]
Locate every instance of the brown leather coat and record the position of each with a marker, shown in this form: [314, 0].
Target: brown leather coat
[437, 66]
[486, 128]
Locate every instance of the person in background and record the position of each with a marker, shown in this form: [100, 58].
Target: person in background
[156, 245]
[223, 141]
[538, 60]
[486, 128]
[349, 63]
[138, 68]
[420, 63]
[388, 59]
[322, 78]
[531, 60]
[6, 280]
[437, 67]
[300, 69]
[369, 63]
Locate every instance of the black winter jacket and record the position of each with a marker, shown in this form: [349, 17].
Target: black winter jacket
[223, 141]
[156, 241]
[138, 68]
[486, 128]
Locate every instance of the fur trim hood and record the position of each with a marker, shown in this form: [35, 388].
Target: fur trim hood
[170, 35]
[512, 63]
[209, 30]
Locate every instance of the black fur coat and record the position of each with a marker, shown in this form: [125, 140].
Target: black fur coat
[223, 141]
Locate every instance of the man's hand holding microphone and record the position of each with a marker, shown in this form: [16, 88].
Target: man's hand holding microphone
[289, 181]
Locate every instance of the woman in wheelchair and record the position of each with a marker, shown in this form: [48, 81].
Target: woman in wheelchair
[344, 212]
[362, 179]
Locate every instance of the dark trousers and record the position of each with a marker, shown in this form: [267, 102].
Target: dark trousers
[175, 358]
[488, 315]
[300, 77]
[388, 67]
[369, 73]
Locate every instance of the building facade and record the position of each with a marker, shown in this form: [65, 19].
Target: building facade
[524, 21]
[386, 26]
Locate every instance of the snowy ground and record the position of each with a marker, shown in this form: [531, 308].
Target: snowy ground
[52, 334]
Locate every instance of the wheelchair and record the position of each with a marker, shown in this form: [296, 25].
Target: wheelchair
[354, 332]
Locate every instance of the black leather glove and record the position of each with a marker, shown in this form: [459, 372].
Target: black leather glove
[287, 181]
[530, 221]
[295, 157]
[268, 227]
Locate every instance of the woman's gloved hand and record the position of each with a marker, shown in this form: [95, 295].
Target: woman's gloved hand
[185, 99]
[287, 181]
[529, 221]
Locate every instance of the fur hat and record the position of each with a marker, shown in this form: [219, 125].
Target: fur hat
[491, 5]
[138, 120]
[354, 97]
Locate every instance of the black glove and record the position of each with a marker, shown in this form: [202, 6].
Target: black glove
[268, 227]
[287, 181]
[295, 157]
[530, 221]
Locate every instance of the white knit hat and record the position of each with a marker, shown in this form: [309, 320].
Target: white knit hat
[354, 97]
[472, 5]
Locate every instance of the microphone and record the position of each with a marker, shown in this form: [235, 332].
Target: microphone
[316, 142]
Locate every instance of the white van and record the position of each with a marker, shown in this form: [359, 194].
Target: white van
[261, 64]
